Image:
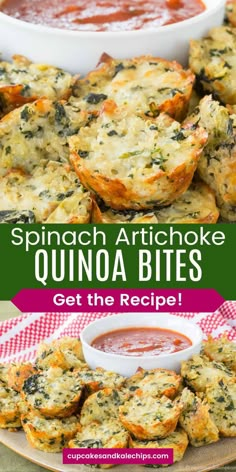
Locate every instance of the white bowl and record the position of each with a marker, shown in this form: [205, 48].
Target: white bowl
[79, 52]
[126, 365]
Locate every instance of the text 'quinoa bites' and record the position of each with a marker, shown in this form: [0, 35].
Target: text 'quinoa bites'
[22, 81]
[147, 84]
[217, 164]
[213, 60]
[135, 163]
[53, 393]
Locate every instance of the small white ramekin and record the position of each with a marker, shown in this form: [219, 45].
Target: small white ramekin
[79, 51]
[127, 365]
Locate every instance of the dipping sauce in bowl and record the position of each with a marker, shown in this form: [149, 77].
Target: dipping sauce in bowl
[141, 341]
[132, 340]
[103, 15]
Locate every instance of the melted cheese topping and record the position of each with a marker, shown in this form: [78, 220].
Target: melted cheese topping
[38, 80]
[101, 406]
[52, 192]
[178, 441]
[221, 397]
[217, 164]
[138, 160]
[53, 392]
[198, 372]
[37, 131]
[213, 60]
[99, 379]
[51, 427]
[146, 84]
[155, 382]
[109, 434]
[196, 420]
[221, 350]
[147, 417]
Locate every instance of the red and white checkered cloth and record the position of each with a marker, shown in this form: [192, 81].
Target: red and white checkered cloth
[19, 337]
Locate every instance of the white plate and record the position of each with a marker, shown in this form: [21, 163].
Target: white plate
[200, 459]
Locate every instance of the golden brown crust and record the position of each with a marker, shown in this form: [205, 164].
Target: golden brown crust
[53, 393]
[23, 82]
[9, 407]
[65, 353]
[49, 435]
[217, 164]
[212, 59]
[110, 434]
[102, 406]
[196, 206]
[51, 193]
[38, 132]
[198, 372]
[156, 382]
[99, 379]
[105, 215]
[231, 12]
[147, 417]
[18, 373]
[196, 420]
[11, 98]
[154, 173]
[148, 84]
[178, 441]
[48, 357]
[138, 405]
[221, 350]
[221, 398]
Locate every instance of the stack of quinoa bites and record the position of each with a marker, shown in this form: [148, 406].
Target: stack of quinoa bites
[60, 402]
[139, 140]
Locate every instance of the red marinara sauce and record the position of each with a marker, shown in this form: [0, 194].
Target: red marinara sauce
[141, 341]
[103, 15]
